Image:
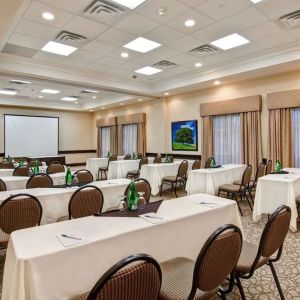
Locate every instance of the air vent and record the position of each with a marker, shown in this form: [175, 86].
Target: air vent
[67, 37]
[290, 20]
[164, 64]
[104, 11]
[204, 49]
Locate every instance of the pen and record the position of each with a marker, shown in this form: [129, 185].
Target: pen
[70, 237]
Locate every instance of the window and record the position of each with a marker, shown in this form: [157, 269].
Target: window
[105, 140]
[227, 139]
[130, 138]
[296, 135]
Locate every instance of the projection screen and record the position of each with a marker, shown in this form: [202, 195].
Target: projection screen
[30, 135]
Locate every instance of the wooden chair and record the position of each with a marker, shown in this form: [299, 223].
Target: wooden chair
[84, 176]
[141, 185]
[19, 212]
[157, 159]
[137, 277]
[196, 164]
[185, 279]
[2, 186]
[136, 173]
[140, 156]
[234, 190]
[40, 180]
[268, 251]
[180, 178]
[6, 165]
[104, 170]
[269, 167]
[86, 201]
[31, 164]
[127, 157]
[21, 171]
[55, 167]
[208, 163]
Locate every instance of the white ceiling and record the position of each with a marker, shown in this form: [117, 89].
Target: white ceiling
[97, 62]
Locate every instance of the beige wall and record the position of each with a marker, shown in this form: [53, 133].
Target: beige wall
[161, 112]
[76, 130]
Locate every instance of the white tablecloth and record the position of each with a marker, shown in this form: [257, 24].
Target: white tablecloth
[9, 172]
[292, 170]
[120, 168]
[93, 164]
[274, 190]
[208, 180]
[39, 267]
[19, 182]
[55, 200]
[154, 173]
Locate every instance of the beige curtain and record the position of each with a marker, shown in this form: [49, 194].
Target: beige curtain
[120, 139]
[113, 140]
[207, 138]
[280, 136]
[141, 138]
[99, 142]
[251, 138]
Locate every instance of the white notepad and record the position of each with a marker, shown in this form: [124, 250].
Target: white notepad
[70, 239]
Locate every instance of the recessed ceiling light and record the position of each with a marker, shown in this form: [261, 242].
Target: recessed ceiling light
[50, 91]
[90, 91]
[122, 104]
[140, 99]
[148, 71]
[124, 54]
[48, 16]
[91, 110]
[103, 107]
[58, 48]
[76, 102]
[198, 64]
[69, 98]
[94, 97]
[217, 82]
[132, 4]
[40, 96]
[230, 41]
[142, 45]
[17, 81]
[162, 11]
[167, 94]
[189, 23]
[10, 92]
[256, 1]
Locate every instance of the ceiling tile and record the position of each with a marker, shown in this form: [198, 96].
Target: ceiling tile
[36, 9]
[173, 9]
[212, 32]
[278, 8]
[262, 31]
[109, 61]
[97, 67]
[182, 59]
[163, 34]
[136, 24]
[19, 50]
[74, 62]
[48, 57]
[116, 37]
[281, 39]
[26, 41]
[220, 9]
[200, 19]
[245, 19]
[192, 3]
[99, 47]
[163, 53]
[85, 55]
[85, 27]
[74, 7]
[185, 44]
[36, 30]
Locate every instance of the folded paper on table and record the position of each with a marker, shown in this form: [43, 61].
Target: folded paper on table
[72, 239]
[153, 218]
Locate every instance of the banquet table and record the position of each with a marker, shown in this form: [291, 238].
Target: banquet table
[93, 164]
[274, 190]
[120, 168]
[154, 173]
[9, 172]
[209, 180]
[55, 201]
[19, 182]
[39, 265]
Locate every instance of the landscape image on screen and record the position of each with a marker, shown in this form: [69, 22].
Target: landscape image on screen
[185, 135]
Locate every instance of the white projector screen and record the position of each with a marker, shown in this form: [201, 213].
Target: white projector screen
[30, 136]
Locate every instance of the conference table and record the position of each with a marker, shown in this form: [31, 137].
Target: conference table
[41, 265]
[274, 190]
[19, 182]
[209, 180]
[93, 164]
[55, 201]
[9, 172]
[154, 173]
[119, 168]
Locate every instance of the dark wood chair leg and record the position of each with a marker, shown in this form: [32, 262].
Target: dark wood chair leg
[175, 188]
[237, 202]
[161, 188]
[240, 287]
[248, 202]
[276, 280]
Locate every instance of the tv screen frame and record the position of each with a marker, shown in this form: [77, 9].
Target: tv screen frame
[175, 126]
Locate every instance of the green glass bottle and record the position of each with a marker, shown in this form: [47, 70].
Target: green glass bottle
[108, 154]
[21, 162]
[278, 166]
[69, 177]
[36, 168]
[213, 162]
[133, 155]
[132, 197]
[8, 158]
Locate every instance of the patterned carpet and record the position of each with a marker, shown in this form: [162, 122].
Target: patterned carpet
[261, 286]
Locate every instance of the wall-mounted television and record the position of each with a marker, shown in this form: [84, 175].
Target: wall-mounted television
[185, 135]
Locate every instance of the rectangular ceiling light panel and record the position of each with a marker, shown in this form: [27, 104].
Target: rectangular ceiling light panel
[132, 4]
[58, 48]
[148, 71]
[142, 45]
[230, 41]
